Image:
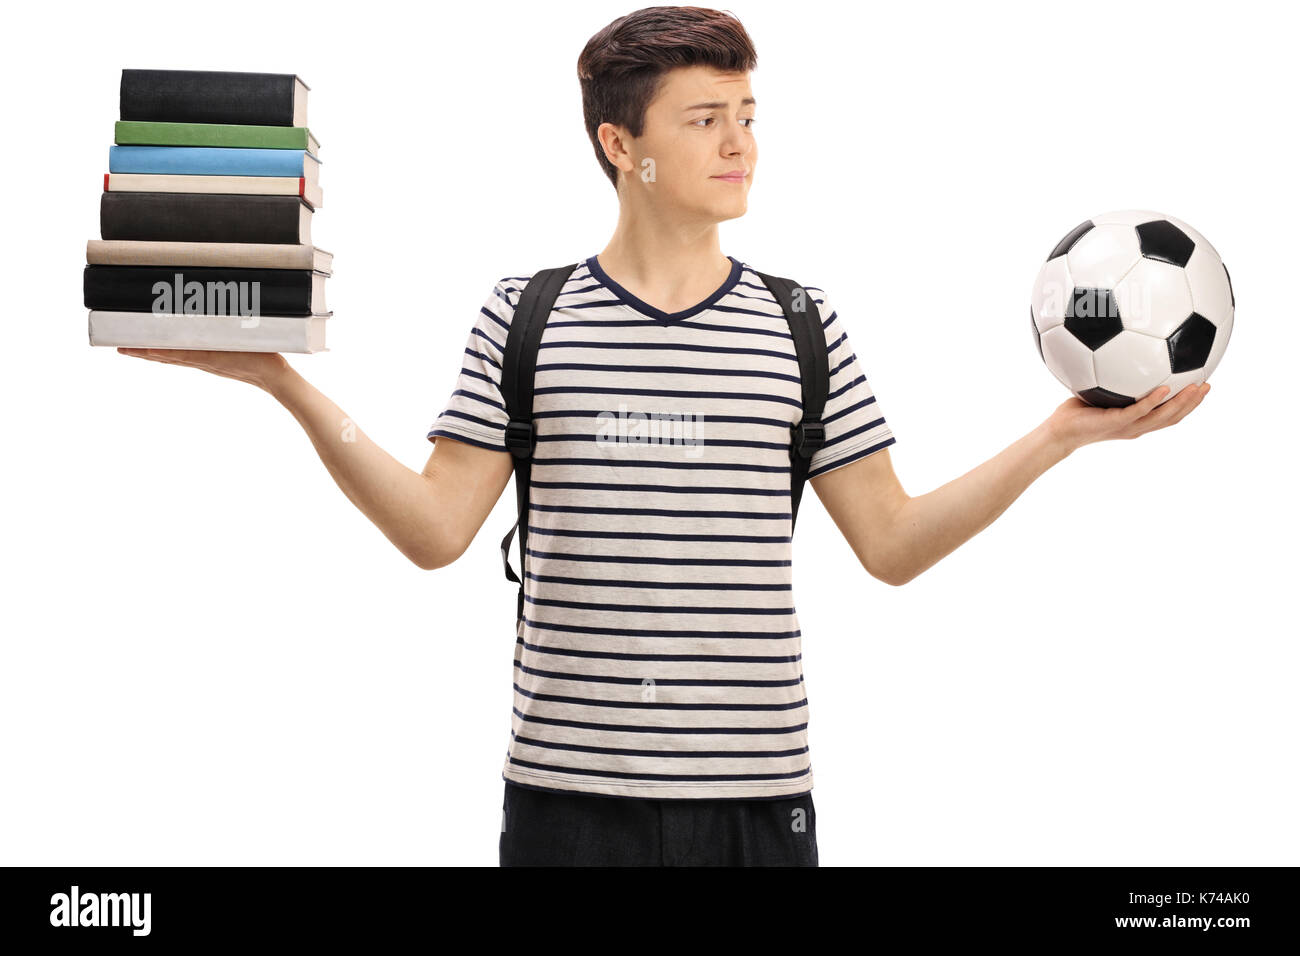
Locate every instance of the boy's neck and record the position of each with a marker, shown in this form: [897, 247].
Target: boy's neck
[671, 269]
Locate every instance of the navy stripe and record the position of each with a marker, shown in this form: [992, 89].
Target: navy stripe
[658, 681]
[642, 559]
[663, 489]
[848, 409]
[486, 358]
[671, 441]
[651, 609]
[651, 632]
[718, 777]
[651, 729]
[682, 585]
[646, 463]
[851, 458]
[587, 414]
[475, 396]
[660, 370]
[694, 394]
[861, 429]
[657, 705]
[779, 330]
[670, 658]
[664, 347]
[662, 512]
[483, 422]
[648, 536]
[626, 752]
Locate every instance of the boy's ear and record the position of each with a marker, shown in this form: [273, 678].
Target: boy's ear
[613, 142]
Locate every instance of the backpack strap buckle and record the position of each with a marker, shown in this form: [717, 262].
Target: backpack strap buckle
[519, 438]
[807, 437]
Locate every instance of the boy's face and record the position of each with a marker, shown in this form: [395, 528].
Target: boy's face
[697, 129]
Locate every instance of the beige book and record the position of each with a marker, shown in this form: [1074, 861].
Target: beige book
[233, 255]
[306, 186]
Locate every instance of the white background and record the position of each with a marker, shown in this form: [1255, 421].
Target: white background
[210, 657]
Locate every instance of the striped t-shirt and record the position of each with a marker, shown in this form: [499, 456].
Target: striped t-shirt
[659, 652]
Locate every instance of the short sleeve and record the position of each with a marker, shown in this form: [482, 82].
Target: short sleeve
[855, 425]
[475, 413]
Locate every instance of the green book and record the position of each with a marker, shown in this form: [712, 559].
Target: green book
[130, 133]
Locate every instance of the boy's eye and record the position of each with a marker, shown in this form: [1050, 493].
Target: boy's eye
[751, 120]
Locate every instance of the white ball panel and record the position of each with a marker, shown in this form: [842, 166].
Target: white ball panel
[1069, 359]
[1127, 217]
[1217, 349]
[1131, 363]
[1051, 292]
[1177, 382]
[1209, 284]
[1153, 298]
[1102, 256]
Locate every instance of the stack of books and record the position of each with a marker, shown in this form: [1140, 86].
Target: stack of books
[205, 219]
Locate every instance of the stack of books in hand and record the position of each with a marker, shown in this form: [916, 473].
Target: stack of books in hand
[205, 220]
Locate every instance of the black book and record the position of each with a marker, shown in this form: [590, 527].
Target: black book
[207, 291]
[204, 96]
[204, 217]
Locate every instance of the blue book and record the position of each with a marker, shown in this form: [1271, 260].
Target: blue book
[211, 161]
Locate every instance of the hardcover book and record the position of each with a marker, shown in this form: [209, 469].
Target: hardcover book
[213, 161]
[201, 217]
[223, 333]
[308, 191]
[135, 133]
[235, 255]
[204, 290]
[206, 96]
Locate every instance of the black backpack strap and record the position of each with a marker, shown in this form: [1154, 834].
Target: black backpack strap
[518, 367]
[814, 374]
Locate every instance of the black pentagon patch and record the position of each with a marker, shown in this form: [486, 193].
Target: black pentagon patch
[1038, 339]
[1231, 295]
[1073, 236]
[1163, 240]
[1104, 398]
[1092, 316]
[1189, 344]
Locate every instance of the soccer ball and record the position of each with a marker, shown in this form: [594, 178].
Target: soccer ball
[1129, 301]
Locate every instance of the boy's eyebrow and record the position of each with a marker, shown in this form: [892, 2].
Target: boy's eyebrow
[747, 101]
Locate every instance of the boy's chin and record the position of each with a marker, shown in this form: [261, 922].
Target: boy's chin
[734, 212]
[722, 211]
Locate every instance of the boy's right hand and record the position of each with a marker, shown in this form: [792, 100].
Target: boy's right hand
[262, 369]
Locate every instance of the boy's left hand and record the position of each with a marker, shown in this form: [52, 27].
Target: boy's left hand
[1075, 423]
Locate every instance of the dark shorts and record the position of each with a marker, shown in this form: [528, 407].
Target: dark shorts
[558, 828]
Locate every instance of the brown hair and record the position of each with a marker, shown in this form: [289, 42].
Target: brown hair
[620, 68]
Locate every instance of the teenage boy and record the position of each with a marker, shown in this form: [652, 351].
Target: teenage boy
[659, 709]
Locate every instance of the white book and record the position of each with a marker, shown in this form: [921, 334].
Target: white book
[221, 333]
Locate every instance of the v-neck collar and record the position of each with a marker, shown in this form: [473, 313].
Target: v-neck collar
[645, 308]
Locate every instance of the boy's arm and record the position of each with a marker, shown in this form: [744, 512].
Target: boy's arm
[896, 536]
[431, 517]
